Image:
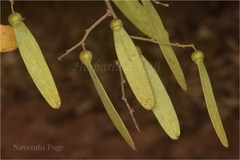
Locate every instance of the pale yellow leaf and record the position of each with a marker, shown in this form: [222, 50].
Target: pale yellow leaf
[163, 108]
[34, 61]
[198, 57]
[86, 57]
[132, 65]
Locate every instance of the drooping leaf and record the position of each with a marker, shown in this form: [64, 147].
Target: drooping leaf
[163, 108]
[161, 35]
[86, 57]
[132, 65]
[198, 57]
[34, 61]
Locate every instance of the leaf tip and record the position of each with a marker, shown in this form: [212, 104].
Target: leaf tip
[56, 104]
[184, 87]
[134, 148]
[225, 144]
[175, 137]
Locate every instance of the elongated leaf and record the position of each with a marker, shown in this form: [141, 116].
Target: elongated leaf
[135, 12]
[197, 57]
[86, 57]
[163, 108]
[161, 35]
[34, 61]
[132, 65]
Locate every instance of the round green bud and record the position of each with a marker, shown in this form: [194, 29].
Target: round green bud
[85, 55]
[14, 17]
[116, 24]
[197, 55]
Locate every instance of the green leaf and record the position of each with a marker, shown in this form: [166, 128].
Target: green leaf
[34, 61]
[135, 12]
[86, 57]
[197, 57]
[161, 35]
[132, 65]
[163, 108]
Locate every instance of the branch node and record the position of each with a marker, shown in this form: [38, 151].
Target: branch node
[87, 31]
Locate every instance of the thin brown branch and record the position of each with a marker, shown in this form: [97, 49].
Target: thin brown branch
[163, 4]
[124, 96]
[110, 9]
[12, 2]
[86, 34]
[163, 43]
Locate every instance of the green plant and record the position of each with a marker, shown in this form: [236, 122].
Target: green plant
[34, 60]
[146, 19]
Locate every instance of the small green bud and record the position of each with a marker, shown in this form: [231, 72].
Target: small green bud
[116, 24]
[197, 55]
[85, 55]
[14, 17]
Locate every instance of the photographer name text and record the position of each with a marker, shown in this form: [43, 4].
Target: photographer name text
[38, 147]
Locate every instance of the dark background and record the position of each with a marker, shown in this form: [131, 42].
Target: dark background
[82, 125]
